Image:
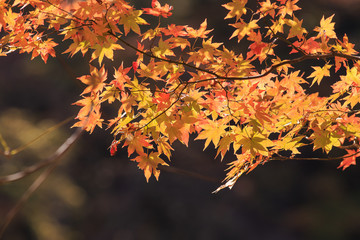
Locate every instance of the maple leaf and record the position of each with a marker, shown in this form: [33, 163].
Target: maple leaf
[89, 115]
[348, 47]
[132, 21]
[289, 143]
[326, 27]
[326, 139]
[158, 10]
[174, 30]
[149, 163]
[253, 141]
[236, 7]
[209, 48]
[162, 101]
[212, 132]
[237, 168]
[296, 30]
[278, 26]
[121, 77]
[320, 73]
[95, 80]
[259, 49]
[44, 49]
[163, 146]
[267, 8]
[198, 33]
[136, 142]
[113, 147]
[178, 42]
[177, 130]
[76, 46]
[309, 46]
[151, 34]
[224, 144]
[353, 98]
[289, 7]
[110, 94]
[162, 50]
[105, 48]
[90, 122]
[349, 158]
[243, 29]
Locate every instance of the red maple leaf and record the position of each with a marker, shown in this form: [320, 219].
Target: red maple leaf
[158, 10]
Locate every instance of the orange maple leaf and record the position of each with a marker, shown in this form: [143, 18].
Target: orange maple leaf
[149, 163]
[121, 77]
[136, 142]
[198, 33]
[95, 80]
[349, 159]
[89, 115]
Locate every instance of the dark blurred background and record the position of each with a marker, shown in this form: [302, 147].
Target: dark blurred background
[94, 196]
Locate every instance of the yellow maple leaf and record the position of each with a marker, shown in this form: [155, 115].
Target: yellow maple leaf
[252, 141]
[110, 94]
[296, 30]
[212, 131]
[236, 7]
[326, 27]
[132, 21]
[243, 29]
[162, 50]
[320, 73]
[106, 49]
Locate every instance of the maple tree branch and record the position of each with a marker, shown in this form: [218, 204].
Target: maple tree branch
[27, 171]
[161, 59]
[19, 149]
[275, 66]
[282, 158]
[267, 72]
[54, 160]
[227, 101]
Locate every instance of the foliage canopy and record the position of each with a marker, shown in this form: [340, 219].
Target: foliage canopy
[257, 104]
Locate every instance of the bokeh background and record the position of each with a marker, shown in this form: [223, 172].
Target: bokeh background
[93, 196]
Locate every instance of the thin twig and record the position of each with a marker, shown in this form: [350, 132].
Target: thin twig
[219, 77]
[21, 148]
[55, 160]
[283, 158]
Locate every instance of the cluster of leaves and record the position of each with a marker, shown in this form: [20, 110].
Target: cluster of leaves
[183, 83]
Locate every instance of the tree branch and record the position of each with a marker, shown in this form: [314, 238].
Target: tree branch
[219, 77]
[58, 154]
[54, 160]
